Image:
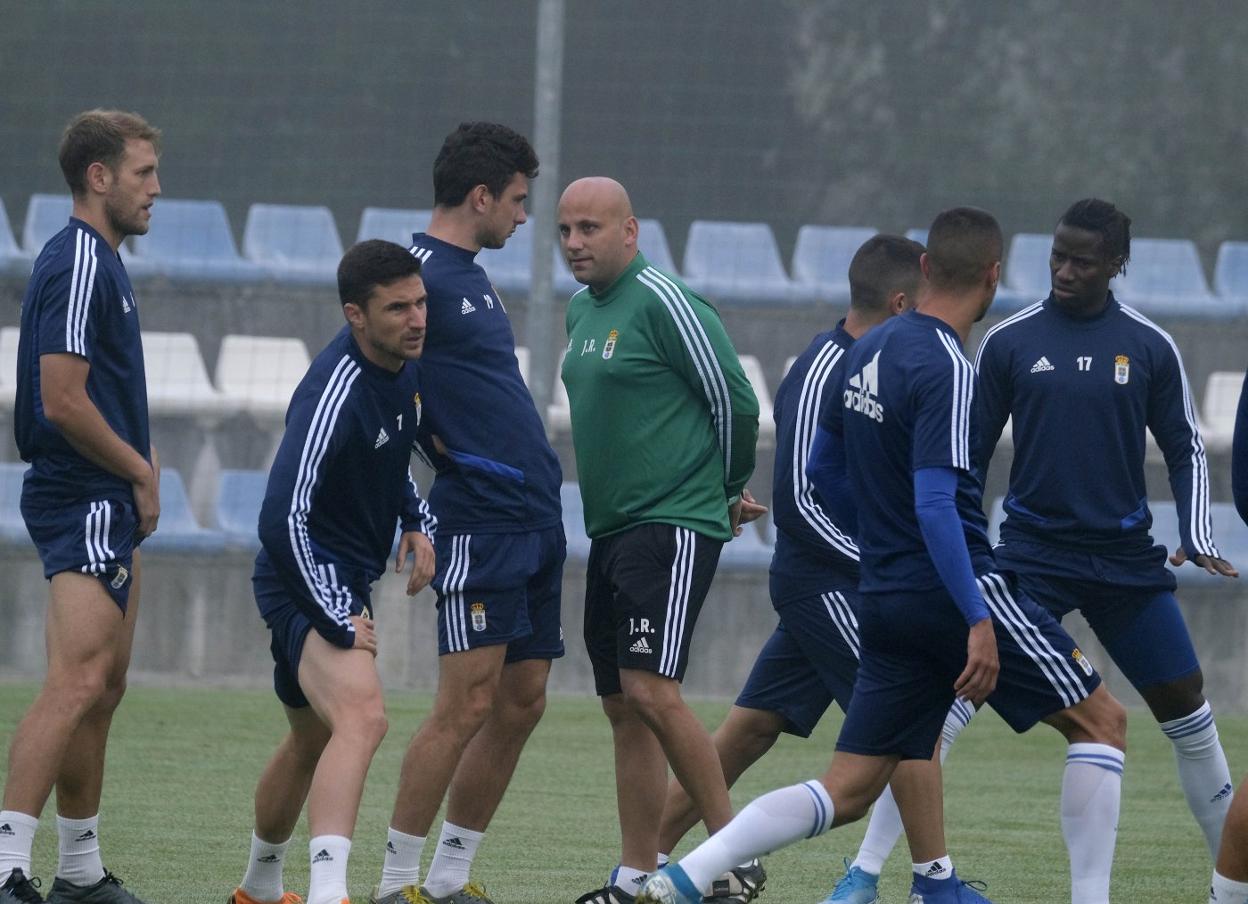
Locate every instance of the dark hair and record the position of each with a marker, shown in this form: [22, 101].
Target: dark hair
[883, 266]
[100, 136]
[962, 243]
[1110, 223]
[480, 153]
[370, 264]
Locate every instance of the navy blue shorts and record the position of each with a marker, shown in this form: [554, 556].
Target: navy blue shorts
[289, 628]
[914, 649]
[501, 589]
[1128, 602]
[93, 536]
[810, 660]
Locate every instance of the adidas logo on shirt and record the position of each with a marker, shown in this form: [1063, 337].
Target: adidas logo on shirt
[323, 857]
[864, 387]
[382, 438]
[125, 305]
[1042, 365]
[466, 307]
[453, 842]
[641, 647]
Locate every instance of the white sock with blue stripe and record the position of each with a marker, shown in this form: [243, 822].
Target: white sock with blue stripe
[1091, 795]
[1227, 891]
[1203, 772]
[773, 821]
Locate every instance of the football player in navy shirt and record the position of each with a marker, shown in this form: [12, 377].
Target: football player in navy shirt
[937, 619]
[89, 498]
[338, 489]
[500, 546]
[1083, 376]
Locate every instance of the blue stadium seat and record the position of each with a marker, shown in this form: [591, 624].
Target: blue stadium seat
[1165, 279]
[510, 267]
[1027, 265]
[45, 217]
[239, 494]
[917, 235]
[12, 527]
[293, 243]
[737, 262]
[12, 258]
[178, 531]
[574, 522]
[821, 258]
[191, 239]
[1230, 273]
[652, 242]
[748, 552]
[392, 224]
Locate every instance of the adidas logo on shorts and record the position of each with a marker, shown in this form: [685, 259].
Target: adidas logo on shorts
[641, 647]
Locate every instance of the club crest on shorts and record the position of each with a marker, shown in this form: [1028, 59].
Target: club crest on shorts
[120, 578]
[1077, 656]
[477, 610]
[609, 348]
[1122, 369]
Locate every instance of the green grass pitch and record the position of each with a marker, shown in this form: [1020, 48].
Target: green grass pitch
[183, 763]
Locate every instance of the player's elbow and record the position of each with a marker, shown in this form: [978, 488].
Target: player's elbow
[60, 406]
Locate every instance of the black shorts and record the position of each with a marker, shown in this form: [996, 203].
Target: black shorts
[644, 588]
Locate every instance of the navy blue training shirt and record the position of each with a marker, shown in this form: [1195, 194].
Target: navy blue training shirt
[340, 484]
[500, 474]
[907, 404]
[79, 301]
[1081, 392]
[809, 541]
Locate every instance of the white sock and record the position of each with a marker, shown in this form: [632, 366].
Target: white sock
[402, 864]
[452, 860]
[940, 868]
[627, 879]
[1091, 793]
[79, 843]
[1227, 891]
[263, 879]
[327, 883]
[663, 859]
[775, 820]
[1203, 772]
[885, 828]
[17, 835]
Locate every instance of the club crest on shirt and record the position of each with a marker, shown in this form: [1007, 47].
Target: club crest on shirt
[477, 611]
[416, 402]
[1122, 369]
[1078, 657]
[608, 349]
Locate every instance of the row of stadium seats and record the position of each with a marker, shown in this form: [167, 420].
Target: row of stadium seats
[729, 262]
[237, 513]
[256, 375]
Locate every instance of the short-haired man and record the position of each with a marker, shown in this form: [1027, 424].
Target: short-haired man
[90, 497]
[1083, 377]
[664, 424]
[338, 488]
[937, 620]
[500, 549]
[811, 658]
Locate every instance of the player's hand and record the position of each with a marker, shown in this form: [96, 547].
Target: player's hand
[418, 544]
[147, 502]
[365, 634]
[979, 678]
[747, 510]
[1211, 564]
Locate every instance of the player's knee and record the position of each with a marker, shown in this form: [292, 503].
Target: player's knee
[79, 690]
[524, 712]
[368, 726]
[114, 691]
[1100, 719]
[652, 697]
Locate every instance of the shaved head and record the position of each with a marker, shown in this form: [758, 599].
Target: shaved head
[597, 231]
